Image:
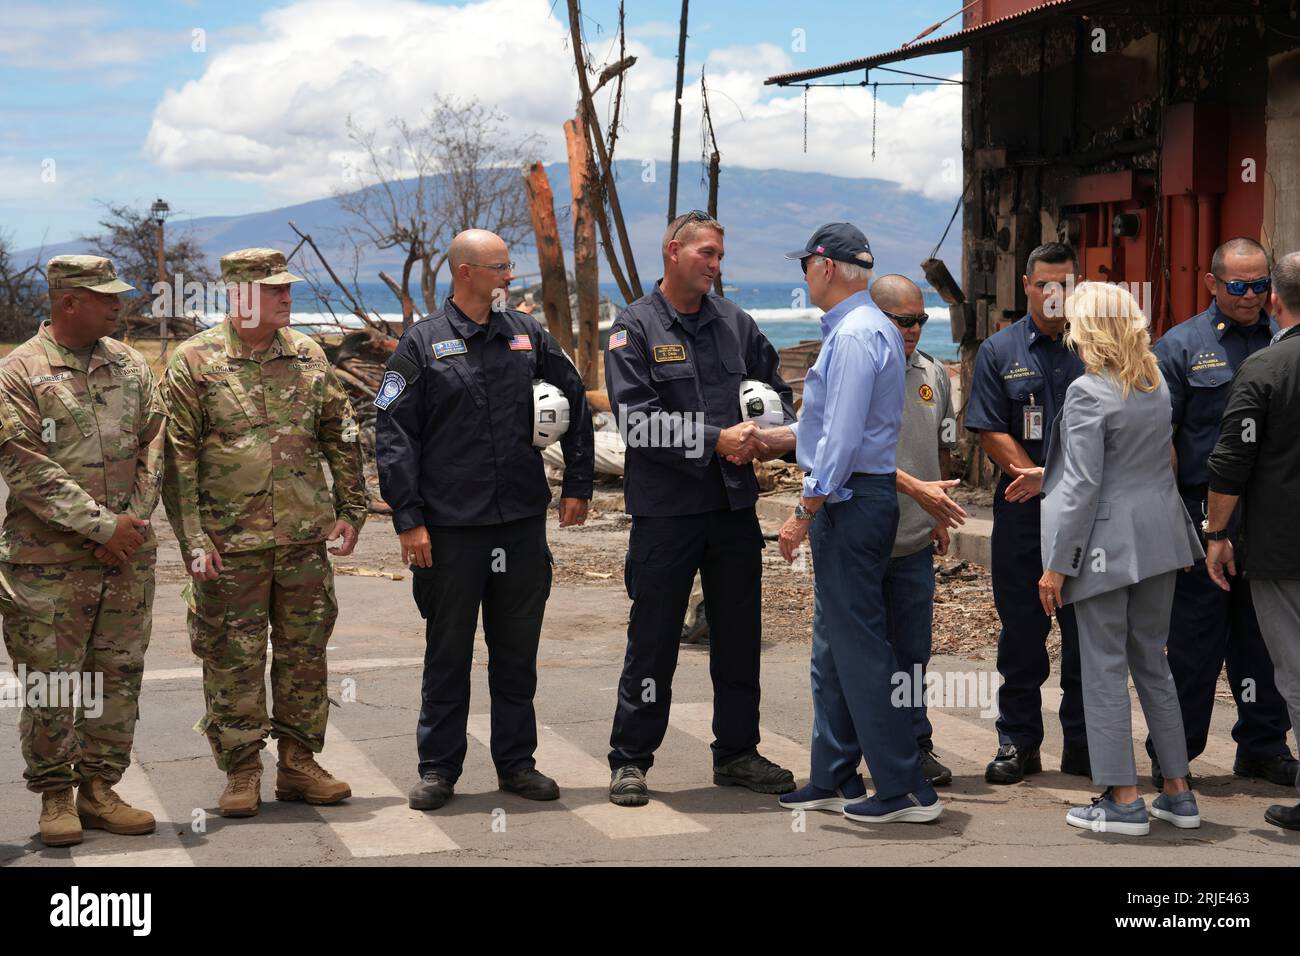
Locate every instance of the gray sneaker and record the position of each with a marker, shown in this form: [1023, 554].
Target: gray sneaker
[1179, 809]
[1107, 816]
[627, 787]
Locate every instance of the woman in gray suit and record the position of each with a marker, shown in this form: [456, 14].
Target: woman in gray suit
[1114, 534]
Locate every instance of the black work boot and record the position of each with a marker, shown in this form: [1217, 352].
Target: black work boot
[627, 787]
[1011, 764]
[530, 784]
[431, 792]
[1075, 761]
[754, 772]
[1279, 769]
[931, 769]
[1288, 818]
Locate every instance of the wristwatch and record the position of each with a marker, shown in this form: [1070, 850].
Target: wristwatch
[1209, 535]
[803, 514]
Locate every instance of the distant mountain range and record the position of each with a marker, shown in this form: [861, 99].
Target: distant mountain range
[766, 214]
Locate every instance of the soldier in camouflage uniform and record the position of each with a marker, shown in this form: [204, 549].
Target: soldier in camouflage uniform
[81, 435]
[253, 407]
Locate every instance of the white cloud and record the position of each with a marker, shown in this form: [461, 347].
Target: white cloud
[272, 109]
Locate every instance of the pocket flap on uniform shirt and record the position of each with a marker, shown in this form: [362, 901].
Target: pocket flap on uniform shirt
[78, 411]
[1103, 510]
[669, 371]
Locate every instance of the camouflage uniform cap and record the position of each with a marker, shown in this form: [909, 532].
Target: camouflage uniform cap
[267, 266]
[84, 272]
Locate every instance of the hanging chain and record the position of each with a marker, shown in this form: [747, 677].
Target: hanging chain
[875, 100]
[805, 119]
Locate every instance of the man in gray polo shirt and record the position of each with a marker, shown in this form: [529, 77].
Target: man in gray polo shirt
[925, 512]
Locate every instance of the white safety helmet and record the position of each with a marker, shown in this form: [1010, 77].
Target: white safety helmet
[550, 414]
[759, 403]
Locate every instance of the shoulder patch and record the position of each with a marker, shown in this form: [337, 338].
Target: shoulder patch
[618, 339]
[390, 390]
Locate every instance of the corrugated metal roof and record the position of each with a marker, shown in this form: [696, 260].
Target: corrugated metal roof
[943, 44]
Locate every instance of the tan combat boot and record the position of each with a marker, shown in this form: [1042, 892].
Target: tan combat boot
[299, 777]
[59, 823]
[243, 793]
[100, 808]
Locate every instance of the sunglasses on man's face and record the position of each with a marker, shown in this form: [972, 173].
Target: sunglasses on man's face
[1239, 286]
[907, 321]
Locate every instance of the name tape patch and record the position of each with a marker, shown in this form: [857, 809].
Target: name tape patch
[56, 377]
[670, 353]
[449, 347]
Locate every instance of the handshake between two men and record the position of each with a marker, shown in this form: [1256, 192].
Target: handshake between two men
[746, 442]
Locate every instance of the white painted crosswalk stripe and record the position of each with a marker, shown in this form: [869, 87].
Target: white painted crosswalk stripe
[376, 820]
[575, 769]
[346, 666]
[160, 848]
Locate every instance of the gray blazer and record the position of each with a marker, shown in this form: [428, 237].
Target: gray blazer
[1111, 512]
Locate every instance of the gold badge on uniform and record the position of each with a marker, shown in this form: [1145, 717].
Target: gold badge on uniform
[670, 353]
[926, 393]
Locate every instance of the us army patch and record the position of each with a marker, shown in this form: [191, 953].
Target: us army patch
[392, 387]
[449, 347]
[56, 377]
[670, 353]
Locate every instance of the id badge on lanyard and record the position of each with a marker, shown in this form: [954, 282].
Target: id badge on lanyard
[1032, 426]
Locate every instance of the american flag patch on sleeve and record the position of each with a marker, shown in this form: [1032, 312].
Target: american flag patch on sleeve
[618, 339]
[521, 343]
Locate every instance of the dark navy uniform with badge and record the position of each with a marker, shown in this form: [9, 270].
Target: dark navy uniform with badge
[674, 383]
[454, 437]
[1198, 358]
[1018, 388]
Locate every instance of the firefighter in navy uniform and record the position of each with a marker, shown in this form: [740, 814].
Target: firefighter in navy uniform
[1021, 374]
[1208, 626]
[674, 366]
[459, 464]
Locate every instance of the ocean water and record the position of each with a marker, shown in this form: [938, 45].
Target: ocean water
[780, 309]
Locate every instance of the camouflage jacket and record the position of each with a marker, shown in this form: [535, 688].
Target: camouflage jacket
[80, 444]
[245, 440]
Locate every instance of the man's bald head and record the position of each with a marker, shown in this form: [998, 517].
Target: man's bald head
[475, 245]
[897, 294]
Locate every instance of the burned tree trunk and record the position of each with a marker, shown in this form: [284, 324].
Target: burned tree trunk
[550, 257]
[586, 271]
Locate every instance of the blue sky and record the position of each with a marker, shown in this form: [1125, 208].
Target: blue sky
[112, 102]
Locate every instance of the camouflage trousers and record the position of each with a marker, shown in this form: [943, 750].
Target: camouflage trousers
[290, 590]
[80, 618]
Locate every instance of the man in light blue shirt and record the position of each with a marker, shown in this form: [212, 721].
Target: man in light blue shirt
[846, 440]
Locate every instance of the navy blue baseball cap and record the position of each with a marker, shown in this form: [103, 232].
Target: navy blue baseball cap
[841, 241]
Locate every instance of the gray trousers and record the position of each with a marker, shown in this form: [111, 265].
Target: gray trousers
[1123, 632]
[1277, 608]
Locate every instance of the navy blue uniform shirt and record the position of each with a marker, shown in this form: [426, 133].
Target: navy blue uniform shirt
[1197, 359]
[673, 387]
[454, 430]
[1016, 367]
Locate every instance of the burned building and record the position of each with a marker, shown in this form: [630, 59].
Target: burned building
[1143, 134]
